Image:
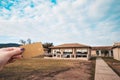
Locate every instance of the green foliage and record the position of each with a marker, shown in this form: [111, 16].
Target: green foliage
[9, 45]
[47, 46]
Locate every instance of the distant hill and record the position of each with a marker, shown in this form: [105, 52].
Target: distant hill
[9, 45]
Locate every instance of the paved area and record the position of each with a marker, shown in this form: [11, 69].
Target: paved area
[104, 72]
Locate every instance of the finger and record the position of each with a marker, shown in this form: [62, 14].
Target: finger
[14, 58]
[7, 49]
[11, 61]
[17, 57]
[16, 51]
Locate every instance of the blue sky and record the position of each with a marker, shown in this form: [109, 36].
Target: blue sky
[92, 22]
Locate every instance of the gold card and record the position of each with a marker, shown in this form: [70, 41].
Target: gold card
[32, 50]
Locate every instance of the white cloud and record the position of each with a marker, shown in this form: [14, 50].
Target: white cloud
[67, 21]
[98, 8]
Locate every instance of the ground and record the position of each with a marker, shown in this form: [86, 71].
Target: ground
[49, 69]
[114, 64]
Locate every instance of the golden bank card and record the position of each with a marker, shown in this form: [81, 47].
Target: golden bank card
[32, 50]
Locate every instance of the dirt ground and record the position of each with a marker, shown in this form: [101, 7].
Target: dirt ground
[114, 64]
[64, 70]
[79, 72]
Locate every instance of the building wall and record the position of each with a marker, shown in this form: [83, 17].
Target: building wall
[116, 53]
[93, 53]
[73, 52]
[102, 53]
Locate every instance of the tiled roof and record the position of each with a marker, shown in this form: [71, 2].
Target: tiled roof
[71, 45]
[102, 47]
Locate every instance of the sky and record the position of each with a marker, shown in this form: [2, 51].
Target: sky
[91, 22]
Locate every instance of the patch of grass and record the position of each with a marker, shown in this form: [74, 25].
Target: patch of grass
[114, 64]
[26, 69]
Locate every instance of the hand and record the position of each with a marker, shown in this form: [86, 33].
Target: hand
[8, 55]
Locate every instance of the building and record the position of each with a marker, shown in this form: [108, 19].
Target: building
[103, 51]
[81, 51]
[71, 50]
[116, 51]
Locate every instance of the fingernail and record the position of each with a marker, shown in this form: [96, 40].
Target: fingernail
[22, 49]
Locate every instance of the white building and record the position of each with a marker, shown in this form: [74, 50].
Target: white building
[71, 50]
[81, 51]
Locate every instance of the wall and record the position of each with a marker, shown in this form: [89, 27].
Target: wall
[93, 53]
[73, 51]
[116, 53]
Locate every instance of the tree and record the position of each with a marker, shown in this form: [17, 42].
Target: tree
[22, 41]
[29, 41]
[47, 46]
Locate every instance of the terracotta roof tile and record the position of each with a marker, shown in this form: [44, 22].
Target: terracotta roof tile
[70, 45]
[102, 47]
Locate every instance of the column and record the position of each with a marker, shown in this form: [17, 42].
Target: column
[88, 53]
[70, 55]
[100, 54]
[74, 52]
[61, 52]
[52, 52]
[60, 55]
[110, 54]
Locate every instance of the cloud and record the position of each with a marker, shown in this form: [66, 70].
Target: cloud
[99, 8]
[84, 21]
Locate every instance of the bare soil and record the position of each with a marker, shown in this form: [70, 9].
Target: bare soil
[41, 69]
[114, 64]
